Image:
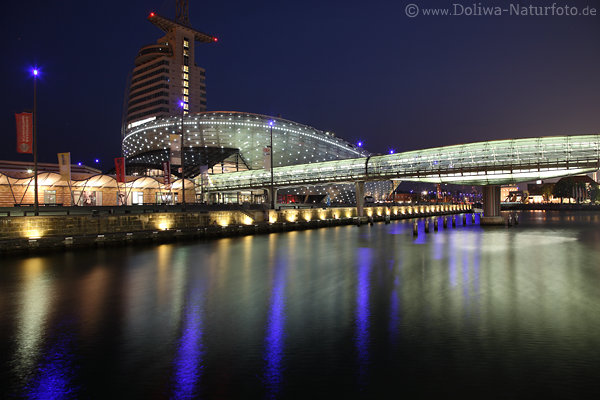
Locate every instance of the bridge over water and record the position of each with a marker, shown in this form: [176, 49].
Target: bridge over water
[489, 164]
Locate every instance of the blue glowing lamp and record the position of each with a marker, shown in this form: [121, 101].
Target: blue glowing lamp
[35, 72]
[359, 144]
[79, 163]
[391, 151]
[181, 104]
[270, 123]
[97, 161]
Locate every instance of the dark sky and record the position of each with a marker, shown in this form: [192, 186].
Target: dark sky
[360, 69]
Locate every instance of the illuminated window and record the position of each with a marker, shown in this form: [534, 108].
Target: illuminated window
[186, 43]
[186, 106]
[186, 84]
[186, 76]
[186, 53]
[186, 99]
[186, 91]
[186, 68]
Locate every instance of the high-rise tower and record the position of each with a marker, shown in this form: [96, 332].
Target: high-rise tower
[165, 73]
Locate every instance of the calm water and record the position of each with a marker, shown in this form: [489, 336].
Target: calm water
[339, 312]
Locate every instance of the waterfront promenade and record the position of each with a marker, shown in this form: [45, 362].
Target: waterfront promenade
[100, 227]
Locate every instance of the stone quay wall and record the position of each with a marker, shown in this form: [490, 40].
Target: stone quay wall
[63, 231]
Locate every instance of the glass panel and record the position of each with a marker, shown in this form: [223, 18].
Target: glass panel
[50, 197]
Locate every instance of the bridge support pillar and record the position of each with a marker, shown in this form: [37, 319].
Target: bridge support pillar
[360, 199]
[491, 206]
[271, 196]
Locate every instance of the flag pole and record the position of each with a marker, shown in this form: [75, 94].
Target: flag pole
[35, 161]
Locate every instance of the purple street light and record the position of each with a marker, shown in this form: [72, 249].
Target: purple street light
[79, 163]
[359, 144]
[35, 72]
[97, 161]
[182, 104]
[391, 151]
[271, 166]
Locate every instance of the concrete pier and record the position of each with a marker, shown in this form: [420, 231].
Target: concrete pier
[360, 199]
[491, 206]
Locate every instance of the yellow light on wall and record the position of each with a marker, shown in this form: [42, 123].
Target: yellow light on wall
[291, 217]
[247, 220]
[34, 234]
[307, 216]
[224, 221]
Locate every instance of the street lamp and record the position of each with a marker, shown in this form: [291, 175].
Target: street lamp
[35, 73]
[182, 105]
[272, 187]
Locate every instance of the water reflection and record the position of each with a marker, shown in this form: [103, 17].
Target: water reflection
[421, 238]
[299, 312]
[394, 326]
[275, 335]
[56, 371]
[36, 303]
[188, 362]
[363, 313]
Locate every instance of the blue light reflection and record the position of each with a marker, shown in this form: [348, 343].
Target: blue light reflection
[188, 363]
[55, 372]
[363, 313]
[275, 338]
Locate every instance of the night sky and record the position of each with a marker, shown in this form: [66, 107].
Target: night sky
[363, 70]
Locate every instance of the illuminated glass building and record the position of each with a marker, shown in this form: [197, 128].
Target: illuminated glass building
[233, 140]
[166, 87]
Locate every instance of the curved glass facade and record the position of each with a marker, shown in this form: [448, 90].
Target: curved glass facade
[293, 143]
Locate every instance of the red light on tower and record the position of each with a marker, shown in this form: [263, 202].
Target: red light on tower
[215, 39]
[151, 14]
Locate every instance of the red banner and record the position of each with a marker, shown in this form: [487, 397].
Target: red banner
[120, 169]
[24, 132]
[167, 173]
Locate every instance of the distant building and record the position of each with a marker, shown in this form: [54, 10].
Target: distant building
[167, 97]
[165, 76]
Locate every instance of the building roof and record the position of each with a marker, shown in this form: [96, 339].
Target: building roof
[22, 168]
[167, 25]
